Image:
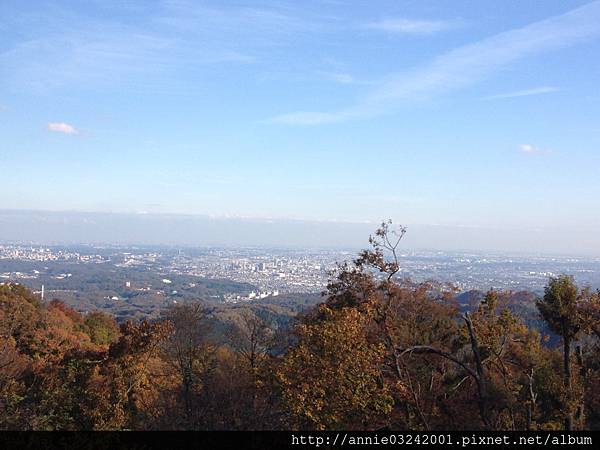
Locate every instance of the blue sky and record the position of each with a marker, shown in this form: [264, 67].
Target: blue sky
[462, 113]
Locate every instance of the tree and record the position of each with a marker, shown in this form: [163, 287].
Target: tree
[101, 327]
[590, 313]
[589, 308]
[251, 338]
[189, 353]
[386, 240]
[560, 309]
[124, 386]
[476, 372]
[485, 358]
[332, 378]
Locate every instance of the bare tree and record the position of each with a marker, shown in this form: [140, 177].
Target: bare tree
[251, 338]
[386, 240]
[188, 350]
[477, 373]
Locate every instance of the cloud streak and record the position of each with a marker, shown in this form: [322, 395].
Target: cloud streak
[409, 26]
[69, 50]
[338, 77]
[310, 118]
[463, 66]
[532, 149]
[524, 93]
[62, 127]
[342, 78]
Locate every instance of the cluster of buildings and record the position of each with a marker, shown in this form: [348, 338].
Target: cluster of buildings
[273, 271]
[233, 298]
[44, 254]
[270, 270]
[131, 259]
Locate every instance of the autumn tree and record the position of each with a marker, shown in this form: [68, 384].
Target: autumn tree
[589, 355]
[190, 354]
[19, 311]
[122, 389]
[480, 354]
[251, 337]
[331, 379]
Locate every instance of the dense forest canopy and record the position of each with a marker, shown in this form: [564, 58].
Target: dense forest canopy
[379, 352]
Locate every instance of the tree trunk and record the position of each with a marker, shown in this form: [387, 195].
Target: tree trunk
[481, 377]
[532, 400]
[568, 382]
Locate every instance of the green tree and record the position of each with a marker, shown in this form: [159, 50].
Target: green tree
[559, 308]
[102, 328]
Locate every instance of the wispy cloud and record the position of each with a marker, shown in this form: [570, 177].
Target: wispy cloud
[62, 127]
[342, 78]
[464, 66]
[309, 118]
[257, 24]
[533, 150]
[69, 49]
[524, 93]
[410, 26]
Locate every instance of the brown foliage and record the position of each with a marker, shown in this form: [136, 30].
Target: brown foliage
[381, 351]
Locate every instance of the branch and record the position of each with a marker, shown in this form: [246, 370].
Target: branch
[443, 354]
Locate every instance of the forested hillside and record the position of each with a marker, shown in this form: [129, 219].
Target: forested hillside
[377, 353]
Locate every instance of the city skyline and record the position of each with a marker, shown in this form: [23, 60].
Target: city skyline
[263, 273]
[474, 124]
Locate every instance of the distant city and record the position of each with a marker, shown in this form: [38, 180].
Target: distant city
[269, 272]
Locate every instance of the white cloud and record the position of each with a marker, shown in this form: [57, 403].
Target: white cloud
[62, 127]
[71, 50]
[408, 26]
[342, 78]
[465, 65]
[524, 93]
[306, 118]
[533, 150]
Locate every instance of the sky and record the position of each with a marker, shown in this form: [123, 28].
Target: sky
[474, 115]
